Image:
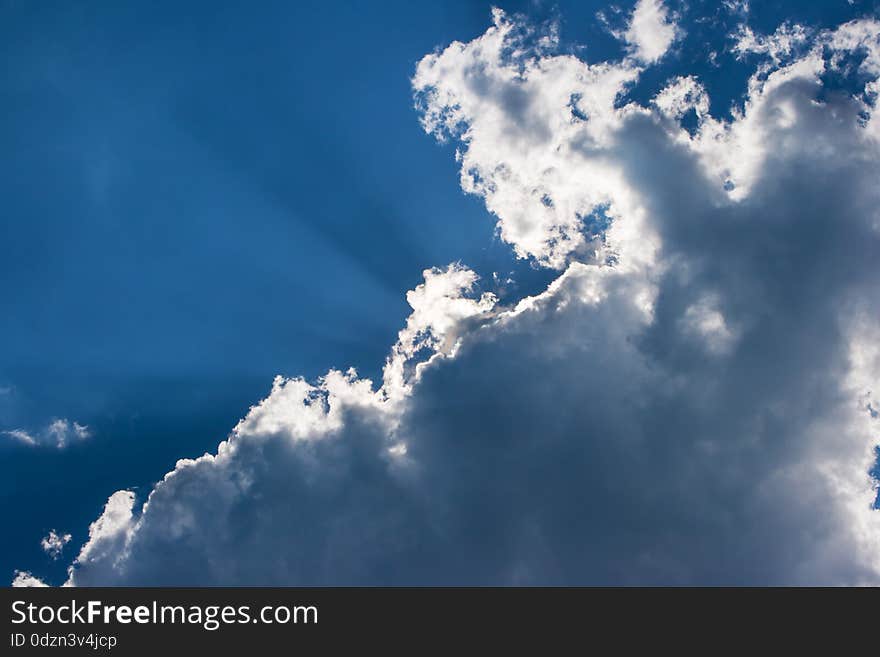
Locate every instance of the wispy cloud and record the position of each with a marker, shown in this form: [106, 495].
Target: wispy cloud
[58, 434]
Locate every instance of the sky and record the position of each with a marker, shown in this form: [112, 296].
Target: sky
[606, 274]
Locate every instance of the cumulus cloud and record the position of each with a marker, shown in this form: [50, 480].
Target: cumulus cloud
[24, 579]
[793, 68]
[689, 402]
[650, 32]
[109, 534]
[439, 313]
[58, 434]
[527, 121]
[53, 544]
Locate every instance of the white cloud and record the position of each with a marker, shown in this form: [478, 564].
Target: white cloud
[794, 60]
[857, 36]
[440, 312]
[53, 544]
[779, 46]
[24, 579]
[790, 40]
[21, 436]
[681, 95]
[650, 32]
[532, 127]
[110, 533]
[689, 402]
[58, 433]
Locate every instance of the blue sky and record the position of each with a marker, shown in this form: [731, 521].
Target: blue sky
[200, 196]
[201, 199]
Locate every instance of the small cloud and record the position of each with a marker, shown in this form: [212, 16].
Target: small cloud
[740, 7]
[21, 436]
[24, 579]
[650, 32]
[61, 431]
[58, 434]
[780, 46]
[54, 543]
